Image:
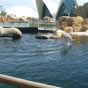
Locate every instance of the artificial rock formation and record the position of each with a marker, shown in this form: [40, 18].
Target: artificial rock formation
[56, 35]
[73, 24]
[14, 32]
[85, 25]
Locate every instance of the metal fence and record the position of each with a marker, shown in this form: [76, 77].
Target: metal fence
[41, 24]
[45, 25]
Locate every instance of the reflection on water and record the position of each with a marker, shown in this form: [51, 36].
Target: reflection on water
[80, 39]
[66, 50]
[47, 61]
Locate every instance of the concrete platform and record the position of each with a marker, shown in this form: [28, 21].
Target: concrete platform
[53, 36]
[79, 33]
[47, 36]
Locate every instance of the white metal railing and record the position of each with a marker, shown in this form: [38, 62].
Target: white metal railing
[45, 25]
[8, 24]
[19, 24]
[41, 24]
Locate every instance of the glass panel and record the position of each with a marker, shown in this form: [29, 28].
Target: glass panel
[66, 8]
[46, 12]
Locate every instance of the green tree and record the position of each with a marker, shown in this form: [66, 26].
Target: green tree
[3, 13]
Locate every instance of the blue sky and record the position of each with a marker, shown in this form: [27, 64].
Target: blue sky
[9, 3]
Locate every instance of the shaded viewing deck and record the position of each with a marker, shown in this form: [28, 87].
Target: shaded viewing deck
[32, 26]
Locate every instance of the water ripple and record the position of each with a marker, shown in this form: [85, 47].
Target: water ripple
[47, 61]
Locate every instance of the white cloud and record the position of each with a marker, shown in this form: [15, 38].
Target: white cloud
[20, 11]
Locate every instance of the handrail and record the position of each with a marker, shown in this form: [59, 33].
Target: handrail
[21, 83]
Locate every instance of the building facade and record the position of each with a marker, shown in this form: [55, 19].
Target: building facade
[81, 11]
[65, 8]
[42, 9]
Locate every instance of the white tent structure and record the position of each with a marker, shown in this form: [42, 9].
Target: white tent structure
[21, 11]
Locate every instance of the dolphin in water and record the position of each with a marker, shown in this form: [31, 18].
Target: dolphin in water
[67, 36]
